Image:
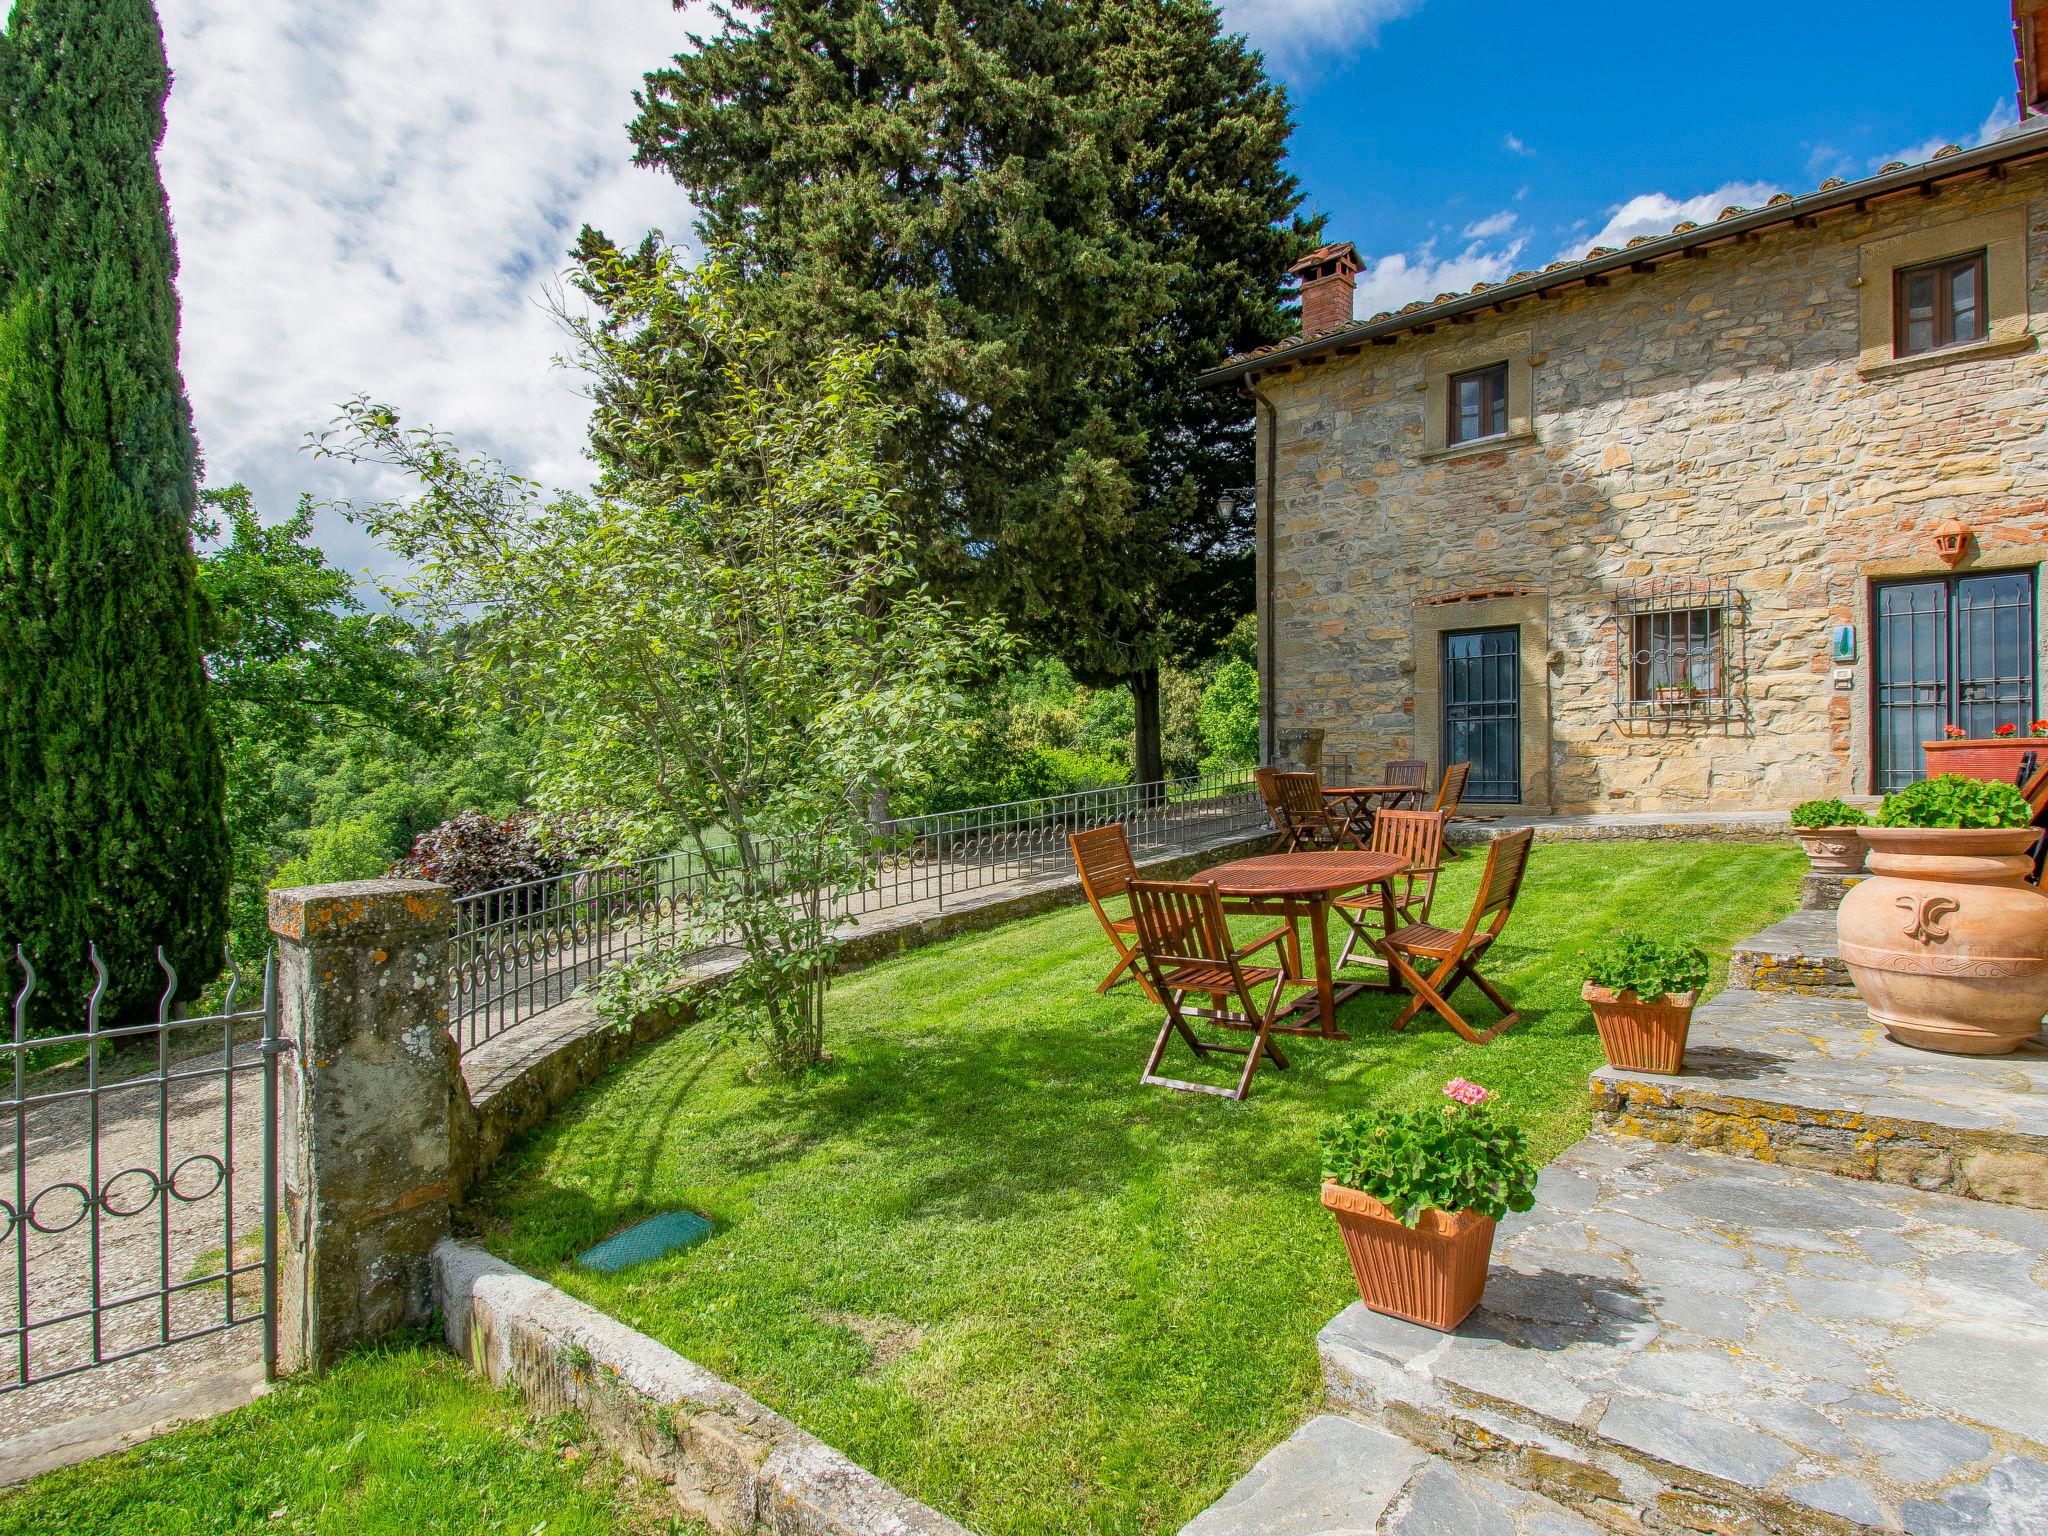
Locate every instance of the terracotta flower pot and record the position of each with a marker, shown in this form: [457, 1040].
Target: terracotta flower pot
[1997, 758]
[1640, 1036]
[1946, 942]
[1833, 850]
[1431, 1273]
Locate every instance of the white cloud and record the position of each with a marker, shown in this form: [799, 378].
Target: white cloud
[1390, 281]
[1654, 213]
[1514, 146]
[1492, 226]
[371, 198]
[1296, 35]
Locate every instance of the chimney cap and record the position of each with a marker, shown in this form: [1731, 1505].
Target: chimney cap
[1339, 260]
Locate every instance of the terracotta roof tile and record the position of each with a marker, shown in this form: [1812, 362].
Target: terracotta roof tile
[1684, 227]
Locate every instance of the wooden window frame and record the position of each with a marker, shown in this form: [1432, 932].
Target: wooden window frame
[1944, 272]
[1493, 404]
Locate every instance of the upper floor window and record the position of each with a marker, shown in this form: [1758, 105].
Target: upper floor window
[1478, 404]
[1939, 304]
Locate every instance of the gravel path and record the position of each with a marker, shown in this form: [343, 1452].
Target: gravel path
[143, 1242]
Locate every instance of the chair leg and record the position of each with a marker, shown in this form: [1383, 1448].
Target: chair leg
[1173, 1022]
[1116, 972]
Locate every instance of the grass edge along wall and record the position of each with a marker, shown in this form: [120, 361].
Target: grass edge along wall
[1715, 465]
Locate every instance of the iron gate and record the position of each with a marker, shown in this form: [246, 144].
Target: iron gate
[1952, 650]
[1482, 725]
[139, 1210]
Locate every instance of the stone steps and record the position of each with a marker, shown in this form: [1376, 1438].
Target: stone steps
[1683, 1340]
[1337, 1477]
[1797, 954]
[1810, 1082]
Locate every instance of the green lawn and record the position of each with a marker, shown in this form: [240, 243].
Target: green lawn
[979, 1257]
[396, 1441]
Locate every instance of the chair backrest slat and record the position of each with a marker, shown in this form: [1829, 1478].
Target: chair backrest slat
[1103, 857]
[1453, 789]
[1301, 796]
[1180, 923]
[1506, 862]
[1418, 838]
[1408, 770]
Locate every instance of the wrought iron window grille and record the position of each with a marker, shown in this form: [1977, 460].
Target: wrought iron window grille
[1680, 651]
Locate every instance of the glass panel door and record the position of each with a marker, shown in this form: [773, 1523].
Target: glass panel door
[1953, 650]
[1483, 710]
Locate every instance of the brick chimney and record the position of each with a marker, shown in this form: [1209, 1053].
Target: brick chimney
[1328, 277]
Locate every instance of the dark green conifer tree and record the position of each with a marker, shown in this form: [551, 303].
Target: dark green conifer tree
[111, 828]
[1060, 213]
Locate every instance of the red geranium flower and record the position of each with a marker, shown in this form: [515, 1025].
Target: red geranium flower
[2008, 729]
[2039, 728]
[1954, 732]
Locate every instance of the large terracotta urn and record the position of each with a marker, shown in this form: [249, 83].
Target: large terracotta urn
[1946, 942]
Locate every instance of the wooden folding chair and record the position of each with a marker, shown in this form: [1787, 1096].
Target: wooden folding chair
[2034, 786]
[1412, 771]
[1417, 837]
[1448, 796]
[1310, 820]
[1270, 793]
[1103, 857]
[1186, 947]
[1457, 954]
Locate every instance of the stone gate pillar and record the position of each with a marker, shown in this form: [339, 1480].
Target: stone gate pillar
[365, 1094]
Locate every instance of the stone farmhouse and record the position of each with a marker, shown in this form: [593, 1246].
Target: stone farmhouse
[1729, 518]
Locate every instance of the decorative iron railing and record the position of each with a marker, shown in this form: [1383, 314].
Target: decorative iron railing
[524, 949]
[138, 1189]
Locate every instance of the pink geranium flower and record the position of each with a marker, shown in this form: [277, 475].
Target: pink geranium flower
[1954, 732]
[1464, 1092]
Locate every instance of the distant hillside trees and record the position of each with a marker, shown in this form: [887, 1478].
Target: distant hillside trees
[111, 828]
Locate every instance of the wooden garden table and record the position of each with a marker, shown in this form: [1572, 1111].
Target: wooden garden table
[1298, 885]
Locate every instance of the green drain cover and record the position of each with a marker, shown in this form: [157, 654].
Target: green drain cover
[654, 1238]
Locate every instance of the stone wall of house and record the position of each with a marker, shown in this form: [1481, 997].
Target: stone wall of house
[1703, 420]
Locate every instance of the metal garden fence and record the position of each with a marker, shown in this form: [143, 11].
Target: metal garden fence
[524, 949]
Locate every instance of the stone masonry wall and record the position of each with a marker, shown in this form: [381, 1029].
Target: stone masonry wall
[1704, 420]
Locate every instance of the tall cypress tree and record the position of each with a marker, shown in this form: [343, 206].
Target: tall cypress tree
[111, 828]
[1059, 213]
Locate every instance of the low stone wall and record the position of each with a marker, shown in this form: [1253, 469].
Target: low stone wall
[515, 1083]
[728, 1461]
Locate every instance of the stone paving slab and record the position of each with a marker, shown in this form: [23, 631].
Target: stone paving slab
[1796, 954]
[1708, 1343]
[1337, 1477]
[1810, 1082]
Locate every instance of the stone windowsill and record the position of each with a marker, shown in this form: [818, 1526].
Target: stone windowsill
[1495, 444]
[1999, 346]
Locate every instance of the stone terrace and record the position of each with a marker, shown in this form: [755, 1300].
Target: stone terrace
[1754, 1300]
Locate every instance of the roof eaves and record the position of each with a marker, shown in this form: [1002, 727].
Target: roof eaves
[1425, 315]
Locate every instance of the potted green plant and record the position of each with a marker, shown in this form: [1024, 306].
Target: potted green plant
[1946, 941]
[1828, 829]
[1416, 1194]
[1642, 991]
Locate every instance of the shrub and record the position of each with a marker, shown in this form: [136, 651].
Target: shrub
[356, 848]
[1229, 715]
[1954, 800]
[1649, 967]
[1459, 1157]
[474, 852]
[1827, 813]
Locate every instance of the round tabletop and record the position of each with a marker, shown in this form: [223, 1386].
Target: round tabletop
[1348, 791]
[1302, 874]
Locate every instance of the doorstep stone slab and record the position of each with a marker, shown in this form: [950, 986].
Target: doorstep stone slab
[1337, 1477]
[1796, 954]
[1716, 1344]
[1810, 1082]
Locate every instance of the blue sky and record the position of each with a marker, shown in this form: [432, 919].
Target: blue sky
[1541, 123]
[373, 198]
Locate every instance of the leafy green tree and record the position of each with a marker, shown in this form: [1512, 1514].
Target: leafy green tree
[736, 648]
[1056, 215]
[293, 655]
[110, 770]
[1229, 714]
